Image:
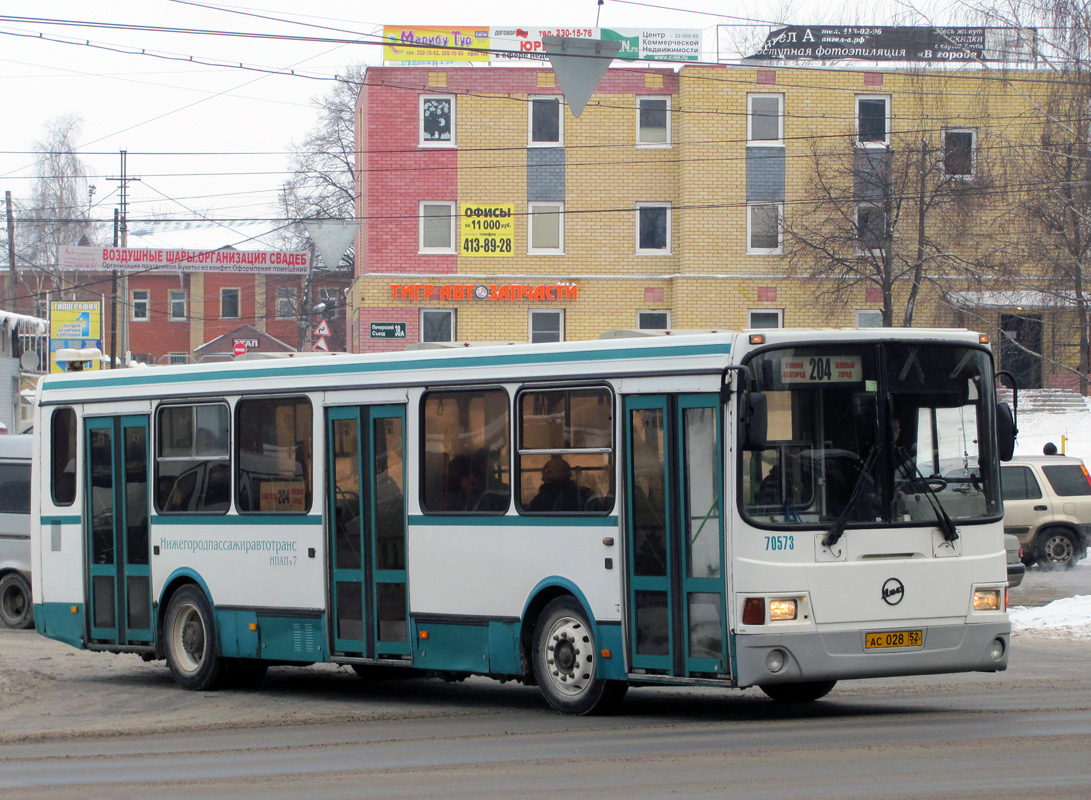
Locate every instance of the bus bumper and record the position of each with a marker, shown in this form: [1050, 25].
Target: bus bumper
[840, 655]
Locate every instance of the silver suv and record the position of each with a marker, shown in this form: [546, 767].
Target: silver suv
[1047, 505]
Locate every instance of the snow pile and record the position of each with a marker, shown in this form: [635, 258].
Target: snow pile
[1067, 618]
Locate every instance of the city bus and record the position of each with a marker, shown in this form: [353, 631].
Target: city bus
[776, 508]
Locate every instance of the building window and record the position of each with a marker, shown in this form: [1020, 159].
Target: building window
[869, 319]
[653, 320]
[192, 460]
[177, 305]
[275, 446]
[765, 119]
[229, 303]
[139, 306]
[546, 223]
[546, 326]
[286, 303]
[466, 465]
[873, 119]
[565, 460]
[653, 228]
[765, 318]
[437, 120]
[437, 227]
[763, 228]
[437, 324]
[545, 121]
[870, 229]
[959, 153]
[653, 121]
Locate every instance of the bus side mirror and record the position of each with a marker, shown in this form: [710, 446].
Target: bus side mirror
[1005, 432]
[753, 420]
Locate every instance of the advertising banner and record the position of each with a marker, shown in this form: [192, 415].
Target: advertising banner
[487, 229]
[469, 44]
[875, 43]
[76, 325]
[108, 259]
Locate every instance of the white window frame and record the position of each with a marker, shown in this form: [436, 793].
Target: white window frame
[856, 116]
[551, 312]
[751, 312]
[653, 251]
[173, 296]
[452, 246]
[538, 211]
[238, 302]
[450, 312]
[642, 312]
[659, 98]
[421, 141]
[865, 313]
[875, 252]
[973, 154]
[765, 251]
[144, 300]
[287, 293]
[750, 140]
[559, 103]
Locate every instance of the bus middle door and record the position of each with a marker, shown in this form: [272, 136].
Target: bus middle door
[677, 614]
[369, 604]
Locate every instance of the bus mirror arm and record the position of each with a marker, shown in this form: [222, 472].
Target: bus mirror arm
[753, 415]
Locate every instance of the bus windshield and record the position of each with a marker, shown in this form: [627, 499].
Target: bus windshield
[875, 434]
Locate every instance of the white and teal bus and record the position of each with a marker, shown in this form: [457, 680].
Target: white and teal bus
[776, 508]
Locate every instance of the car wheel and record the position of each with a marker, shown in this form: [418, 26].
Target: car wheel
[1057, 549]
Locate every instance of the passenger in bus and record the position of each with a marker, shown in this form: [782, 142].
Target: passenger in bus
[558, 491]
[465, 483]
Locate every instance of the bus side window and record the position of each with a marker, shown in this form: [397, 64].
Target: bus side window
[274, 438]
[63, 450]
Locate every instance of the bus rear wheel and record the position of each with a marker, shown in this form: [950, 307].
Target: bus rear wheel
[564, 659]
[191, 641]
[806, 692]
[16, 610]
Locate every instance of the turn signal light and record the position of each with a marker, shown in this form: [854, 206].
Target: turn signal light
[757, 338]
[753, 611]
[987, 600]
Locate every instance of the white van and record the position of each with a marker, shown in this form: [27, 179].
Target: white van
[16, 609]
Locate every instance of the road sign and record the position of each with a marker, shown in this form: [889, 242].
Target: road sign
[239, 348]
[320, 344]
[323, 329]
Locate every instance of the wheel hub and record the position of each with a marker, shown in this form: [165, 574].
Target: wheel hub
[570, 656]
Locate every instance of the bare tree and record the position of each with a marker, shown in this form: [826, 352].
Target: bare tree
[323, 165]
[888, 217]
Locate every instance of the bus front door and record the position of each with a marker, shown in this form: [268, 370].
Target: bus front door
[675, 557]
[369, 601]
[116, 503]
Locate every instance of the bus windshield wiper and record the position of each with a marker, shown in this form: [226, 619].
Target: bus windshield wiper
[943, 519]
[837, 530]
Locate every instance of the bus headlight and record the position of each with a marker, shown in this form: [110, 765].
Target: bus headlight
[986, 600]
[782, 610]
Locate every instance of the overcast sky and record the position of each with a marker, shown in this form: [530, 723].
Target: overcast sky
[204, 136]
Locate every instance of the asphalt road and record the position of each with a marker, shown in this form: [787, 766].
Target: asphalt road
[76, 724]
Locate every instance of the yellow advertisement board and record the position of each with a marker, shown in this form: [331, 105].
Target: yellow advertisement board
[450, 44]
[487, 229]
[74, 325]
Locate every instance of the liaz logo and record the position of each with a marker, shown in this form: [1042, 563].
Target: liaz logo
[893, 591]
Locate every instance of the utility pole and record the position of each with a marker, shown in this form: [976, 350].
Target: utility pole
[124, 236]
[9, 294]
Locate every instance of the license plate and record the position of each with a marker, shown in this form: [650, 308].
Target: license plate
[874, 641]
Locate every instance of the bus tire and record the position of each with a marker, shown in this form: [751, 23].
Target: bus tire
[806, 692]
[564, 659]
[190, 632]
[16, 608]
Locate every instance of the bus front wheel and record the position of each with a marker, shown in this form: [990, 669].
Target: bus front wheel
[191, 641]
[806, 692]
[564, 658]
